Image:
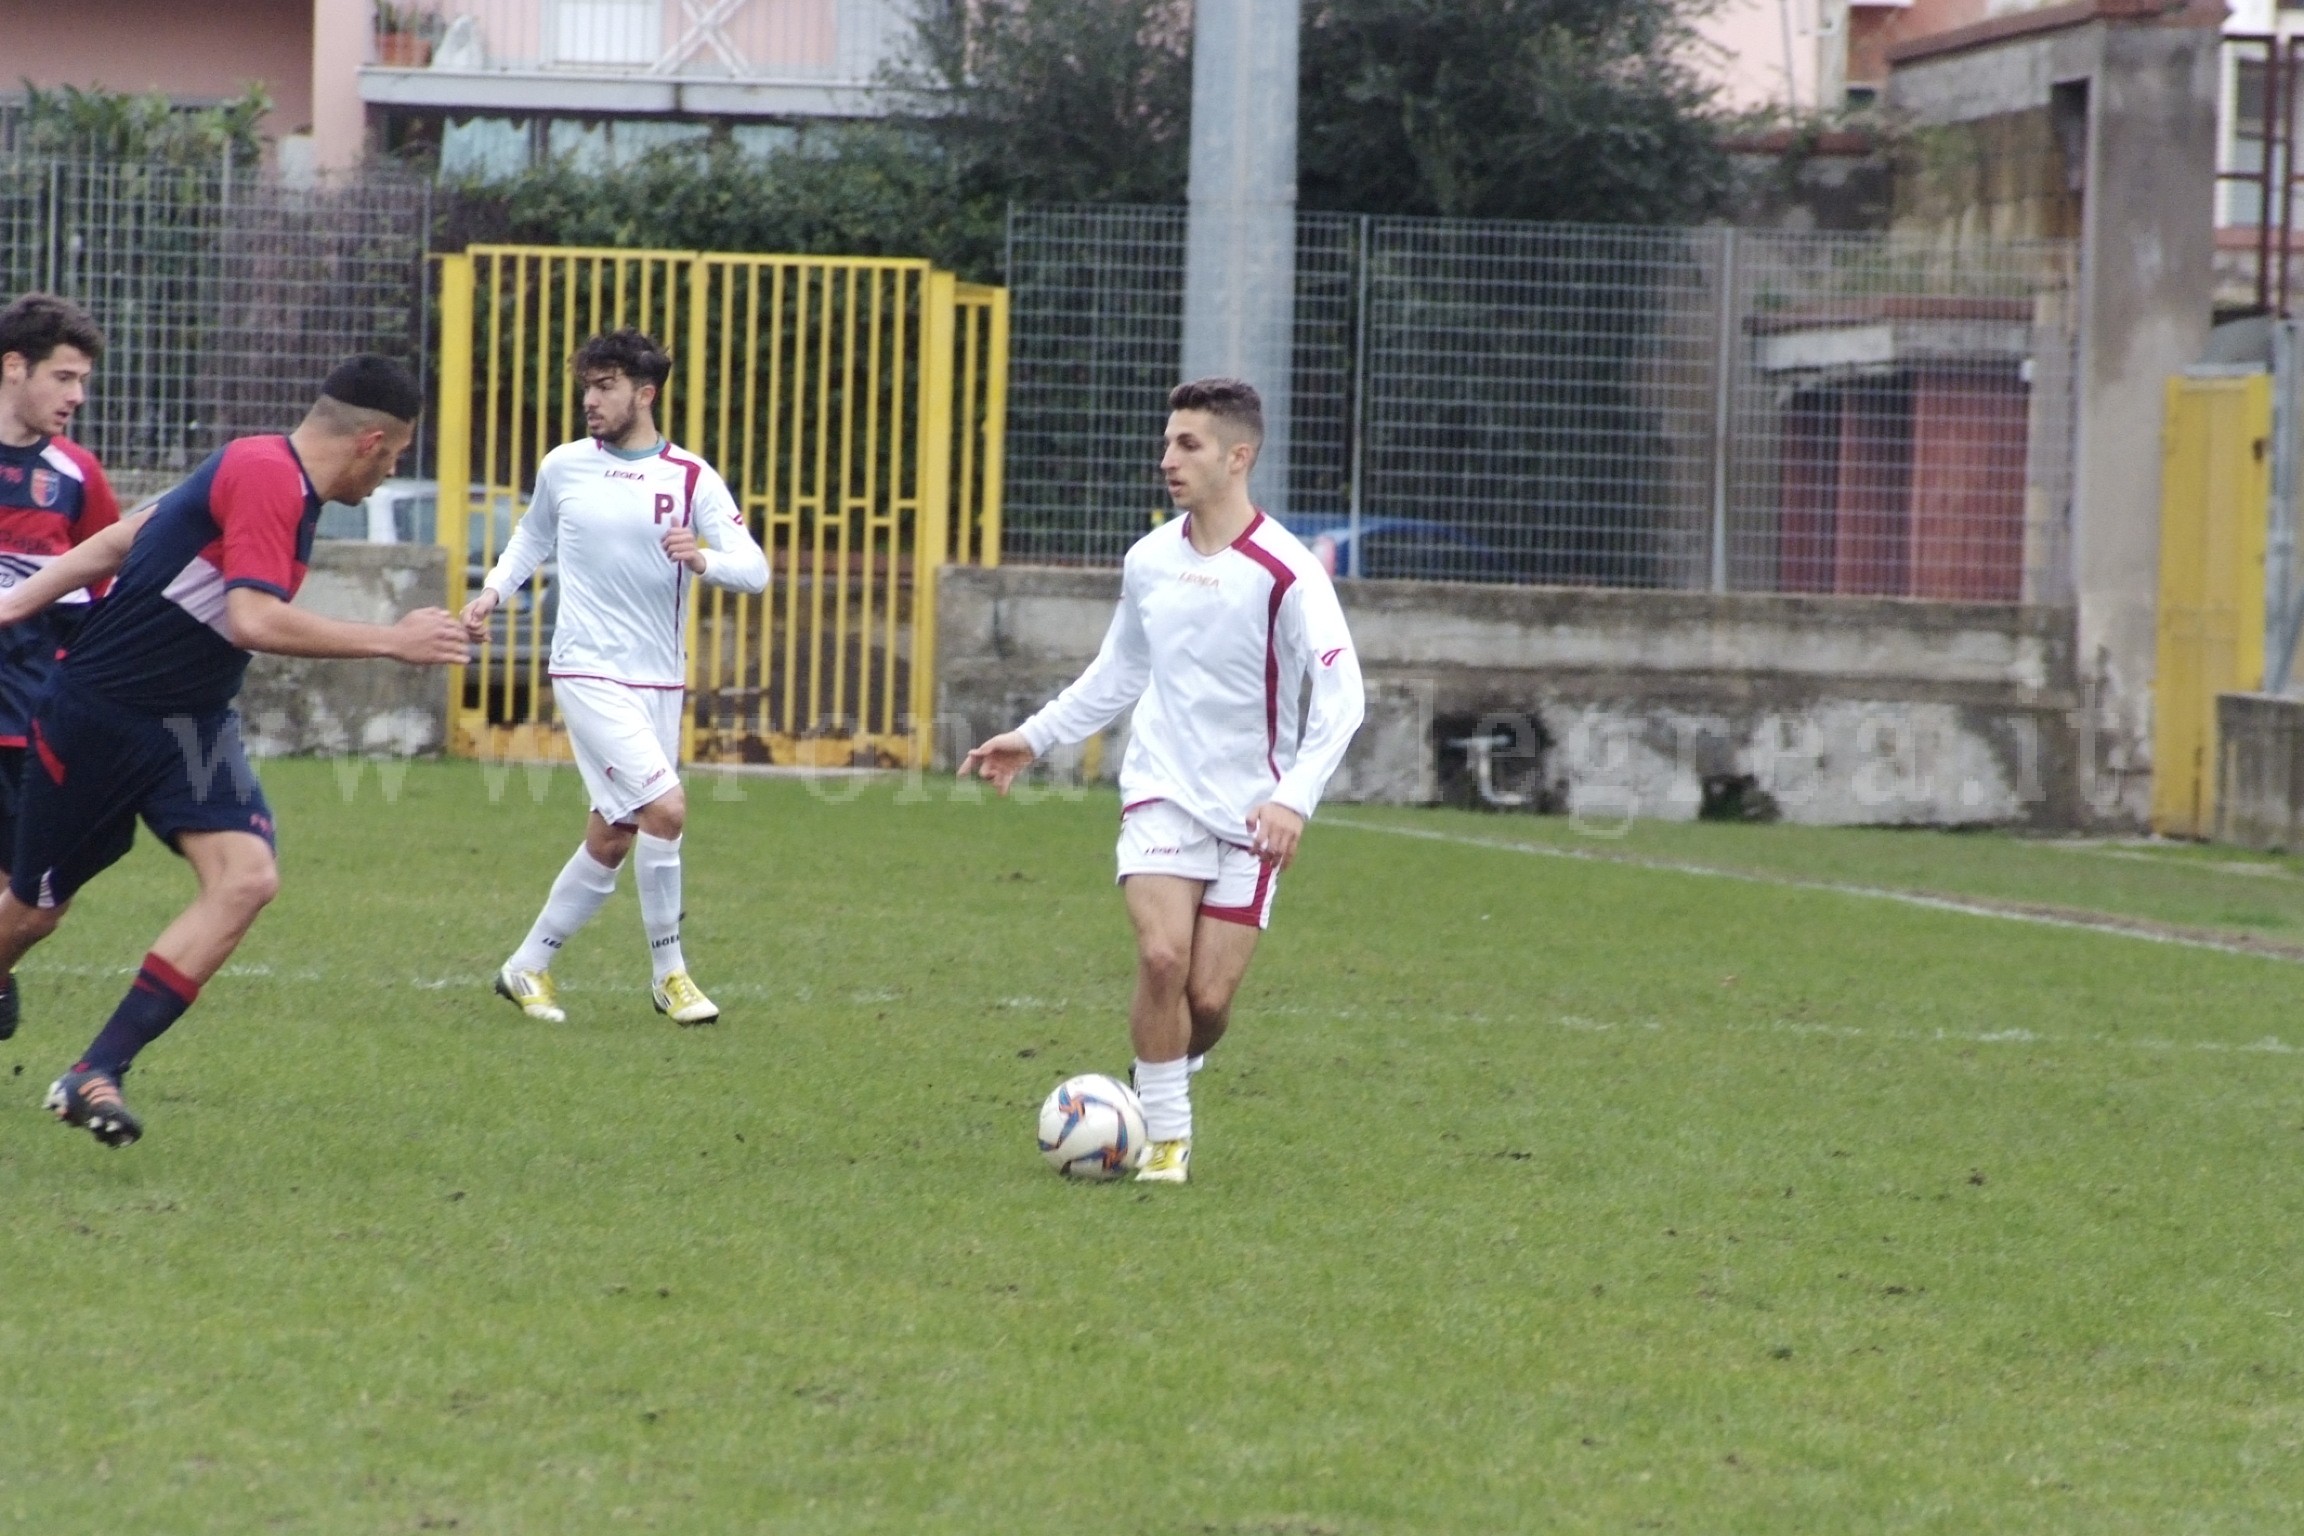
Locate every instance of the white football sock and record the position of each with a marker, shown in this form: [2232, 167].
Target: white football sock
[1193, 1064]
[583, 885]
[656, 866]
[1166, 1089]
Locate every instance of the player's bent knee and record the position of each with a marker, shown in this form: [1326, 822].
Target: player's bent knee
[20, 920]
[253, 892]
[666, 816]
[1163, 964]
[248, 885]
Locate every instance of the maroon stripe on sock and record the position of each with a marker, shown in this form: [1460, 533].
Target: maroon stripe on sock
[166, 977]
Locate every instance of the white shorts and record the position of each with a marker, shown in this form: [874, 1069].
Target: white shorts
[1158, 839]
[626, 740]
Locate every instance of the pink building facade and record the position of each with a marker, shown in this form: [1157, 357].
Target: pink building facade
[341, 73]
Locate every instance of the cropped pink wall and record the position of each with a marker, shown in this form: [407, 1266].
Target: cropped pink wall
[1747, 56]
[764, 34]
[192, 52]
[340, 44]
[1748, 42]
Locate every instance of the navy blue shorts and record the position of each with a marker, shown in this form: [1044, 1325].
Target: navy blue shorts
[11, 793]
[94, 768]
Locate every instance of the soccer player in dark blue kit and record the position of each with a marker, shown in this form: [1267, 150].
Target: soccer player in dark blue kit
[138, 720]
[53, 495]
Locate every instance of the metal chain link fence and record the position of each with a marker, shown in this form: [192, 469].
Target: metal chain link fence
[1681, 408]
[225, 296]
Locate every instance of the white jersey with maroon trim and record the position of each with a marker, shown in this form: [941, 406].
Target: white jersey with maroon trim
[621, 610]
[1216, 652]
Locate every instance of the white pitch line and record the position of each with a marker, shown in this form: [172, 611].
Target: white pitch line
[2117, 926]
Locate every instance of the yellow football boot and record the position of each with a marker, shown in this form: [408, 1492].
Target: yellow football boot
[532, 993]
[683, 1001]
[1166, 1162]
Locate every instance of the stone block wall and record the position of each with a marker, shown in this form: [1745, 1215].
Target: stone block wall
[1815, 709]
[291, 705]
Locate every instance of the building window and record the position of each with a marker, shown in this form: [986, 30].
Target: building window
[2244, 200]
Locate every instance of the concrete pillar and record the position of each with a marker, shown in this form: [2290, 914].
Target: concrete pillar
[2147, 301]
[2130, 90]
[340, 30]
[1831, 55]
[1240, 252]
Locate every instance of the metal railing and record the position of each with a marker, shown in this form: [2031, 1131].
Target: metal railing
[1679, 408]
[811, 41]
[852, 404]
[225, 296]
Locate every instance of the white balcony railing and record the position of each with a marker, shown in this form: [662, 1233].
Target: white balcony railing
[819, 43]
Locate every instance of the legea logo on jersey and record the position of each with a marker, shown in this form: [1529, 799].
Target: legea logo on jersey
[626, 474]
[1328, 658]
[1200, 579]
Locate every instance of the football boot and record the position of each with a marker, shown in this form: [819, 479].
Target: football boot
[681, 1000]
[532, 993]
[1166, 1162]
[91, 1100]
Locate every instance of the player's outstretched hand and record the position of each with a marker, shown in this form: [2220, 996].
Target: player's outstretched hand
[1274, 831]
[1000, 759]
[476, 615]
[430, 637]
[681, 545]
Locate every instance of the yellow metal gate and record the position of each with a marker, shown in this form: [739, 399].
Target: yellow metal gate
[2216, 478]
[854, 405]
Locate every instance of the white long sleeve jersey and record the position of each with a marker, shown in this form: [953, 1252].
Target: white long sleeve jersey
[621, 612]
[1216, 652]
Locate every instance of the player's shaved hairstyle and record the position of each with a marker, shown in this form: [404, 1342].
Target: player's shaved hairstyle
[1233, 402]
[362, 391]
[634, 354]
[36, 324]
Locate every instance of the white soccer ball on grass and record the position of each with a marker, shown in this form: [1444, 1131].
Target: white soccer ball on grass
[1092, 1127]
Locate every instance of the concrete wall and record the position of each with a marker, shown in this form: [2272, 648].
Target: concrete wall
[1804, 183]
[291, 705]
[1821, 710]
[2130, 89]
[2260, 771]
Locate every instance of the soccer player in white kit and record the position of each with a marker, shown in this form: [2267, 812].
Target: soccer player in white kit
[631, 520]
[1225, 621]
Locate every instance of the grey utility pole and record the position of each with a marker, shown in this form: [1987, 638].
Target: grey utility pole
[1240, 250]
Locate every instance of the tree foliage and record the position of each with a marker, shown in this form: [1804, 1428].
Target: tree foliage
[1524, 109]
[119, 125]
[1581, 110]
[859, 190]
[1057, 101]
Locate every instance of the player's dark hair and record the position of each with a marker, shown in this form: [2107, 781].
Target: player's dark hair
[38, 323]
[631, 353]
[372, 383]
[1228, 400]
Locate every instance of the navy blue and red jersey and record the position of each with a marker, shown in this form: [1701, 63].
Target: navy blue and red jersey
[159, 643]
[53, 495]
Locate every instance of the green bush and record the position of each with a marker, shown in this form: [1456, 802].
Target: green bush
[117, 125]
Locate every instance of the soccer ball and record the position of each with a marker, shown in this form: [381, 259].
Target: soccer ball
[1092, 1127]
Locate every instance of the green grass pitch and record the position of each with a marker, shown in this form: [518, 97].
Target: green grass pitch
[1604, 1193]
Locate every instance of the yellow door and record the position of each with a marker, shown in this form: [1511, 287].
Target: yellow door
[854, 405]
[2216, 480]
